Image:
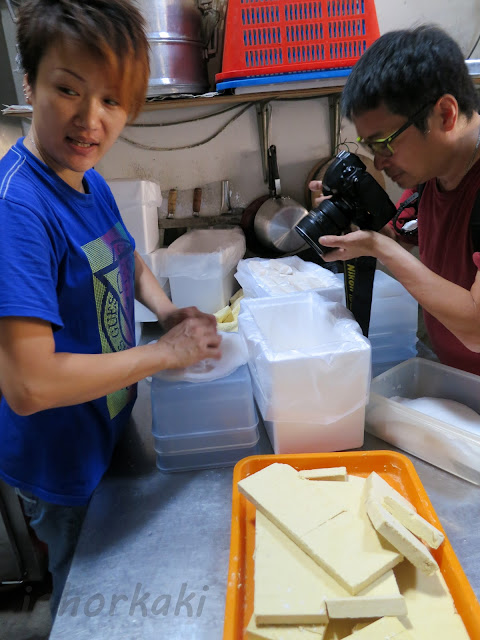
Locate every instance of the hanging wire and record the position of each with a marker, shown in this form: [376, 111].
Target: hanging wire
[474, 47]
[187, 146]
[346, 143]
[171, 124]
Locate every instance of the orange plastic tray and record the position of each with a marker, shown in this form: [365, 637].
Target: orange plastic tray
[395, 468]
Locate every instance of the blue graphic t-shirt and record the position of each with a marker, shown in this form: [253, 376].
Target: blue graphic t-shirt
[67, 258]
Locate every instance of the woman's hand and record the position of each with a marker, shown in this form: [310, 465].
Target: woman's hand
[193, 338]
[176, 316]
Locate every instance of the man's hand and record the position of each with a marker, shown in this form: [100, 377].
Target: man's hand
[316, 187]
[356, 244]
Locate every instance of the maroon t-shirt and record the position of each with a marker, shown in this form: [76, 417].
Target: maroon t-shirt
[445, 247]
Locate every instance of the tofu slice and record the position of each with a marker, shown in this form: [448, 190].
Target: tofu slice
[291, 588]
[376, 488]
[383, 629]
[314, 515]
[431, 610]
[284, 632]
[333, 473]
[400, 538]
[293, 505]
[410, 519]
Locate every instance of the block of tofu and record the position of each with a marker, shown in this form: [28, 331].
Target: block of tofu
[334, 473]
[314, 515]
[292, 504]
[383, 629]
[376, 488]
[431, 610]
[284, 632]
[400, 537]
[410, 519]
[290, 588]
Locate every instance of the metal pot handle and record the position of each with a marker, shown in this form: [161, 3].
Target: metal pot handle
[210, 26]
[274, 185]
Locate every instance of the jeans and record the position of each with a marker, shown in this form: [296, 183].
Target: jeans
[59, 528]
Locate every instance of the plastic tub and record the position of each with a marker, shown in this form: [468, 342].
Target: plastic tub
[138, 202]
[260, 278]
[310, 369]
[395, 468]
[201, 265]
[394, 311]
[439, 443]
[206, 459]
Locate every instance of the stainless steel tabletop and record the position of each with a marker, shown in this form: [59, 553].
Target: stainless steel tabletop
[152, 559]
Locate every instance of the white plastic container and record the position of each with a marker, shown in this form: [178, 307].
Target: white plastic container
[393, 323]
[310, 367]
[138, 202]
[439, 443]
[394, 310]
[260, 277]
[155, 262]
[200, 266]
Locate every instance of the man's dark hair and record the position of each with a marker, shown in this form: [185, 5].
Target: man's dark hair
[112, 30]
[407, 70]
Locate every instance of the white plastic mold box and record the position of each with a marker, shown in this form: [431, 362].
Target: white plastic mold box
[154, 262]
[439, 443]
[138, 202]
[200, 266]
[310, 366]
[261, 277]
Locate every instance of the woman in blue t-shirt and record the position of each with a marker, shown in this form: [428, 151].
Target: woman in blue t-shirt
[69, 271]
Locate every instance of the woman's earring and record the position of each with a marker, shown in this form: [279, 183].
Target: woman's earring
[26, 93]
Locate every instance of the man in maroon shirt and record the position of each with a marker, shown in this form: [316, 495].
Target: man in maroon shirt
[415, 107]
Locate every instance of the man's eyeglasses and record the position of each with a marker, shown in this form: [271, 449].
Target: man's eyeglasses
[382, 146]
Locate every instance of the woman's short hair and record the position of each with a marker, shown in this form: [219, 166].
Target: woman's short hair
[113, 30]
[407, 70]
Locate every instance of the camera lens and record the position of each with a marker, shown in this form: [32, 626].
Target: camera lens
[328, 219]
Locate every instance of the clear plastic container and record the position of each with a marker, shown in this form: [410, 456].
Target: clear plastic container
[207, 459]
[439, 443]
[195, 424]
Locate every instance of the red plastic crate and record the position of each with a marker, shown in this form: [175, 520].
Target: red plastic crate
[270, 37]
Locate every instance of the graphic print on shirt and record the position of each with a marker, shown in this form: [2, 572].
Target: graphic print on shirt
[112, 262]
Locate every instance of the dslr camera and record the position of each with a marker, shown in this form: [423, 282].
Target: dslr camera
[356, 198]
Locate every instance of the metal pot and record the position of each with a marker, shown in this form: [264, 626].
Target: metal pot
[276, 218]
[177, 48]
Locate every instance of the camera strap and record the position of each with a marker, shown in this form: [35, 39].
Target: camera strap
[359, 275]
[413, 202]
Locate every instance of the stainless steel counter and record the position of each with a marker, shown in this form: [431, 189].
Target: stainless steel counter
[152, 559]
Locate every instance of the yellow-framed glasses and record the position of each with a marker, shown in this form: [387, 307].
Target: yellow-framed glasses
[382, 146]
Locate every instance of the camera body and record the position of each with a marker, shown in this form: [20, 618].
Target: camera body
[356, 197]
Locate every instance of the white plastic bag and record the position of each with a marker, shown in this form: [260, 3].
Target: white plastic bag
[309, 361]
[234, 354]
[204, 253]
[260, 277]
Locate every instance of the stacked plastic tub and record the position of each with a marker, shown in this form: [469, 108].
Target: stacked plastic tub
[393, 324]
[138, 202]
[310, 369]
[204, 416]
